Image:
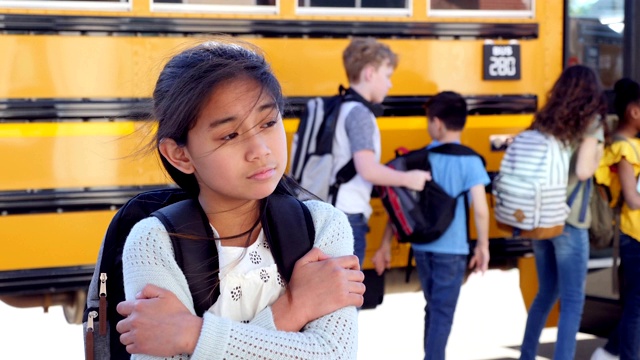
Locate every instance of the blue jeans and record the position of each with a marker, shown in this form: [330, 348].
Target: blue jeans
[441, 277]
[561, 263]
[629, 328]
[629, 293]
[360, 228]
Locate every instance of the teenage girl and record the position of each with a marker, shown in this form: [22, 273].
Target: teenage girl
[221, 138]
[574, 114]
[619, 169]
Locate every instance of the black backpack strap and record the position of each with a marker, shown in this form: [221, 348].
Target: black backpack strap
[192, 239]
[346, 173]
[456, 149]
[459, 149]
[289, 230]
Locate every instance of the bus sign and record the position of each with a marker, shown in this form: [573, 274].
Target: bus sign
[501, 62]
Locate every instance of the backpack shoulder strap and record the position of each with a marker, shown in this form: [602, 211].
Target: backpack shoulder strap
[461, 150]
[134, 210]
[622, 138]
[348, 170]
[415, 159]
[192, 239]
[456, 149]
[289, 230]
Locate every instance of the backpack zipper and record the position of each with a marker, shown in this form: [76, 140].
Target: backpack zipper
[102, 307]
[89, 335]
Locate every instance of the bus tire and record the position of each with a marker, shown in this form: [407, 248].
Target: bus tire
[74, 308]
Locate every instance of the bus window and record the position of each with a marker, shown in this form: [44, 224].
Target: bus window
[475, 8]
[216, 6]
[394, 4]
[40, 2]
[219, 2]
[595, 37]
[68, 4]
[354, 7]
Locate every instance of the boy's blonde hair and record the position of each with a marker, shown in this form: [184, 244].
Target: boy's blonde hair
[366, 51]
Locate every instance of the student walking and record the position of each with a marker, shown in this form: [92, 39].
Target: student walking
[574, 114]
[369, 65]
[442, 263]
[221, 138]
[619, 169]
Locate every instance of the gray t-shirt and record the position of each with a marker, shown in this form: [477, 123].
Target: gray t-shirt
[360, 129]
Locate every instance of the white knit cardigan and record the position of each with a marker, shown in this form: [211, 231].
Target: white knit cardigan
[148, 258]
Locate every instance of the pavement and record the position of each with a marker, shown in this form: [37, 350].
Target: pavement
[489, 324]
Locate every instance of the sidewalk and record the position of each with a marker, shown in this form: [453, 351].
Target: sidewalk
[489, 324]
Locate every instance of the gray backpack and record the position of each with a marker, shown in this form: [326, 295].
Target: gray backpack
[312, 157]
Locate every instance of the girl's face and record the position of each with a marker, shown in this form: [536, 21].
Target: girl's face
[237, 148]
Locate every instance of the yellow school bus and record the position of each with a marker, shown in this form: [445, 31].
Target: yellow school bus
[76, 79]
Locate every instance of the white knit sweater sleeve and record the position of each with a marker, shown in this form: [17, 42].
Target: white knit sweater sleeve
[333, 336]
[148, 258]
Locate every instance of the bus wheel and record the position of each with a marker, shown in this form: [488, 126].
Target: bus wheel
[74, 308]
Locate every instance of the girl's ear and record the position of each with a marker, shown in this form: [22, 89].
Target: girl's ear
[634, 111]
[176, 155]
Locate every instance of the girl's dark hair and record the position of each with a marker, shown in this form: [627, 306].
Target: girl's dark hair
[188, 79]
[574, 100]
[626, 91]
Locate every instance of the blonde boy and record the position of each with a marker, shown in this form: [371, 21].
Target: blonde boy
[369, 65]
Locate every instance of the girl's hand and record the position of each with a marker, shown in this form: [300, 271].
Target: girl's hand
[319, 286]
[157, 324]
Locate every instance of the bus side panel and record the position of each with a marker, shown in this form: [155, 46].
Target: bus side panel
[76, 154]
[59, 240]
[60, 66]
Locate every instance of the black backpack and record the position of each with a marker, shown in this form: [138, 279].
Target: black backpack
[183, 217]
[421, 217]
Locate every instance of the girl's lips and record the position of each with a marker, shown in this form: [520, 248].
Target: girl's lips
[263, 174]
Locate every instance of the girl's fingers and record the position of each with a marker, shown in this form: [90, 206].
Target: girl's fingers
[355, 275]
[357, 288]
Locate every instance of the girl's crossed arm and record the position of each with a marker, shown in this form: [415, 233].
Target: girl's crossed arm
[165, 325]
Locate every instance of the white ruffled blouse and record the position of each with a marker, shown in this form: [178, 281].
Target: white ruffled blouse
[249, 280]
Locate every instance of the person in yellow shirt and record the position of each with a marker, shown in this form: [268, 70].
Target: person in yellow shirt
[619, 170]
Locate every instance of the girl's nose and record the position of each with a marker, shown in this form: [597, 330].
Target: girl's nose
[257, 146]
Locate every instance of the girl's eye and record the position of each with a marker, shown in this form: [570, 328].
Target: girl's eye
[230, 136]
[269, 124]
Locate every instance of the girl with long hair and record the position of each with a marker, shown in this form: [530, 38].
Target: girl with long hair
[574, 114]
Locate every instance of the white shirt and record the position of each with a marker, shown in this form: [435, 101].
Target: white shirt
[249, 280]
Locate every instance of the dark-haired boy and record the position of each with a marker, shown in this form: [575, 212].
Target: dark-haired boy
[442, 264]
